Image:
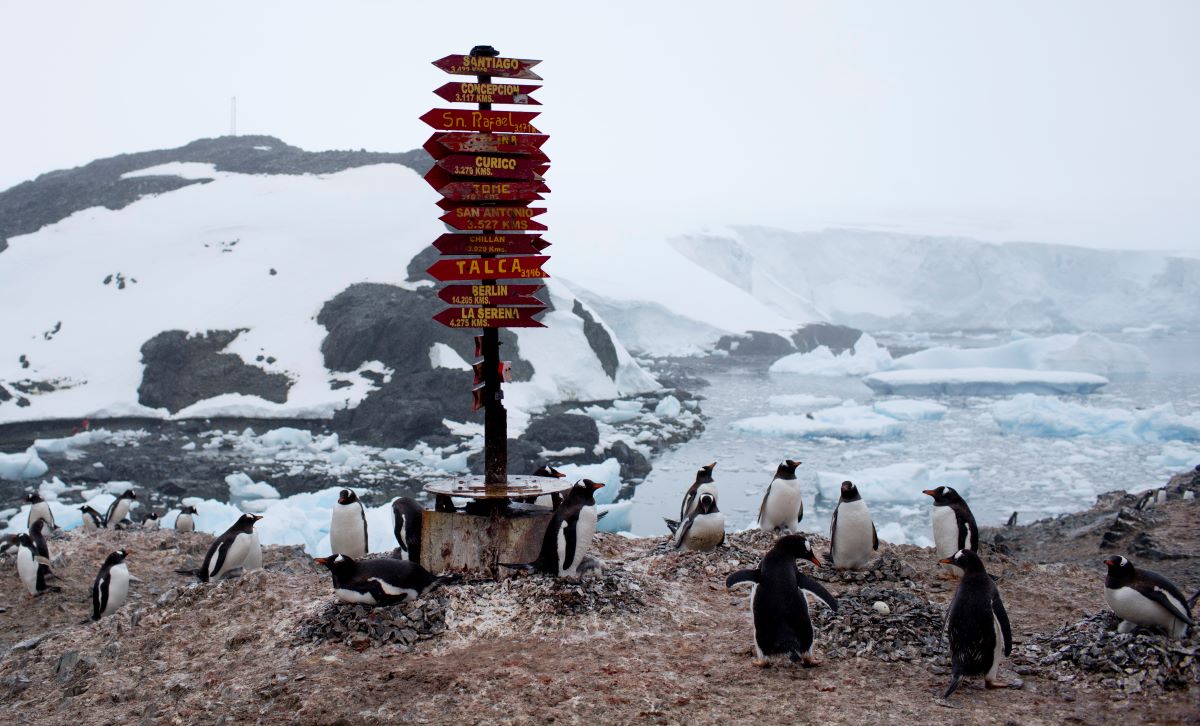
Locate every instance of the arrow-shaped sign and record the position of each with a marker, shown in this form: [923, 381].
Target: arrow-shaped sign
[500, 167]
[490, 317]
[451, 204]
[506, 219]
[488, 93]
[499, 294]
[441, 144]
[446, 119]
[441, 179]
[481, 65]
[491, 268]
[490, 244]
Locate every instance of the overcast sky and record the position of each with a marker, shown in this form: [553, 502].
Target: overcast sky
[1069, 122]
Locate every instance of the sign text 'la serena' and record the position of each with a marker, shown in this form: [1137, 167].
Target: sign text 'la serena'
[490, 317]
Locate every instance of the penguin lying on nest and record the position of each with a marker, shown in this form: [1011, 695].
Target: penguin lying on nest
[378, 581]
[1144, 597]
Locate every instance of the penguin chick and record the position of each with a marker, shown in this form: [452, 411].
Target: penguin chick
[348, 528]
[1144, 597]
[568, 534]
[228, 551]
[406, 524]
[378, 581]
[92, 520]
[954, 526]
[186, 521]
[703, 483]
[111, 588]
[976, 624]
[782, 506]
[852, 537]
[39, 509]
[782, 625]
[704, 530]
[114, 518]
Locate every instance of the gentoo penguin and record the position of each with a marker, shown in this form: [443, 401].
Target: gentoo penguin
[406, 523]
[569, 533]
[548, 500]
[39, 509]
[37, 535]
[8, 544]
[852, 538]
[253, 559]
[976, 624]
[186, 521]
[378, 581]
[782, 506]
[704, 530]
[91, 519]
[1144, 597]
[119, 510]
[953, 524]
[150, 521]
[111, 587]
[32, 566]
[227, 552]
[781, 622]
[703, 483]
[348, 529]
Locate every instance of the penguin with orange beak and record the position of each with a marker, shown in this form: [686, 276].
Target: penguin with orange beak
[569, 534]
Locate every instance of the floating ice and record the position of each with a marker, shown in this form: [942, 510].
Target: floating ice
[669, 407]
[243, 487]
[619, 412]
[618, 517]
[26, 465]
[895, 533]
[1031, 415]
[840, 422]
[1176, 456]
[865, 357]
[907, 409]
[1087, 353]
[607, 471]
[802, 400]
[899, 482]
[981, 382]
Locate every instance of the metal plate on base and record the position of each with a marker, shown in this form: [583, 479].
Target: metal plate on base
[473, 487]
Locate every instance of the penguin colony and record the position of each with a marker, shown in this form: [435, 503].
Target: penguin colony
[978, 631]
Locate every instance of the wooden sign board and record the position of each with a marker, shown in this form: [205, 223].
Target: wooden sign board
[517, 122]
[495, 294]
[495, 219]
[490, 244]
[500, 167]
[493, 268]
[488, 93]
[503, 317]
[442, 144]
[478, 65]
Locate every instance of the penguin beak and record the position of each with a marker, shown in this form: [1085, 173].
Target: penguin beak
[929, 492]
[321, 560]
[1109, 562]
[947, 561]
[815, 561]
[256, 517]
[596, 485]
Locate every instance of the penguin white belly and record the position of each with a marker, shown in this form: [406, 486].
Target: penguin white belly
[1131, 605]
[754, 622]
[89, 524]
[403, 536]
[701, 490]
[41, 510]
[706, 532]
[782, 506]
[253, 554]
[999, 651]
[353, 596]
[118, 588]
[346, 535]
[945, 532]
[854, 541]
[27, 568]
[119, 513]
[234, 558]
[585, 527]
[185, 523]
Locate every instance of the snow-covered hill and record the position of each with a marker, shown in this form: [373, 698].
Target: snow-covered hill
[277, 293]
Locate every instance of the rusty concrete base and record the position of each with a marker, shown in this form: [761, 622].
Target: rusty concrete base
[475, 544]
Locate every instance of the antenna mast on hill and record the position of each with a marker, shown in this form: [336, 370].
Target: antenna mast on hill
[233, 117]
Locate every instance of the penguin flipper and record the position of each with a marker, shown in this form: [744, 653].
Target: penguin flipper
[682, 534]
[671, 524]
[762, 508]
[743, 576]
[100, 596]
[816, 589]
[569, 544]
[800, 513]
[1166, 594]
[954, 679]
[1002, 617]
[601, 515]
[874, 538]
[832, 533]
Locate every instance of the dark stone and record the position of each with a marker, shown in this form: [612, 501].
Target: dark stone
[181, 370]
[564, 430]
[409, 408]
[837, 338]
[369, 321]
[423, 260]
[4, 394]
[633, 464]
[600, 341]
[273, 272]
[338, 385]
[756, 342]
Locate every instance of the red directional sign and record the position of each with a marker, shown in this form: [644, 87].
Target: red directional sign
[490, 294]
[493, 268]
[490, 244]
[488, 93]
[495, 191]
[494, 218]
[490, 317]
[517, 122]
[476, 65]
[494, 166]
[443, 144]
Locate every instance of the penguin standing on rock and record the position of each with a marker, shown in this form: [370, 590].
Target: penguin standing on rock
[406, 524]
[782, 625]
[379, 581]
[32, 566]
[92, 520]
[976, 624]
[852, 537]
[186, 521]
[782, 506]
[348, 530]
[227, 552]
[704, 530]
[111, 588]
[703, 483]
[119, 510]
[39, 509]
[1144, 597]
[569, 533]
[954, 526]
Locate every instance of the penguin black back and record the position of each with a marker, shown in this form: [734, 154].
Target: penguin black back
[216, 559]
[703, 476]
[968, 531]
[787, 470]
[378, 580]
[406, 524]
[564, 523]
[977, 625]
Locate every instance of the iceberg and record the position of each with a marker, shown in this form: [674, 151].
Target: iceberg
[865, 357]
[895, 483]
[839, 422]
[607, 471]
[907, 409]
[26, 465]
[1087, 353]
[1045, 416]
[981, 382]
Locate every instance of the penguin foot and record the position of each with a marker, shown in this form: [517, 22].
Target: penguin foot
[1126, 627]
[991, 685]
[810, 661]
[761, 662]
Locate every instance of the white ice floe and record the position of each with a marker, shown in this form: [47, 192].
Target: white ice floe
[981, 382]
[242, 487]
[899, 482]
[895, 533]
[839, 422]
[618, 412]
[802, 401]
[1031, 415]
[24, 465]
[907, 409]
[669, 407]
[865, 357]
[1085, 353]
[607, 471]
[1176, 456]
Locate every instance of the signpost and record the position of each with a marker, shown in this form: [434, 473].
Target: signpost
[449, 119]
[441, 144]
[490, 244]
[488, 93]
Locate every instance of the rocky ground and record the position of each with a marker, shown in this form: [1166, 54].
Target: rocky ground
[655, 637]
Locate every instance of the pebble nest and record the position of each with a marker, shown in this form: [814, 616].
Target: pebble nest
[614, 590]
[360, 626]
[1129, 662]
[911, 632]
[885, 568]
